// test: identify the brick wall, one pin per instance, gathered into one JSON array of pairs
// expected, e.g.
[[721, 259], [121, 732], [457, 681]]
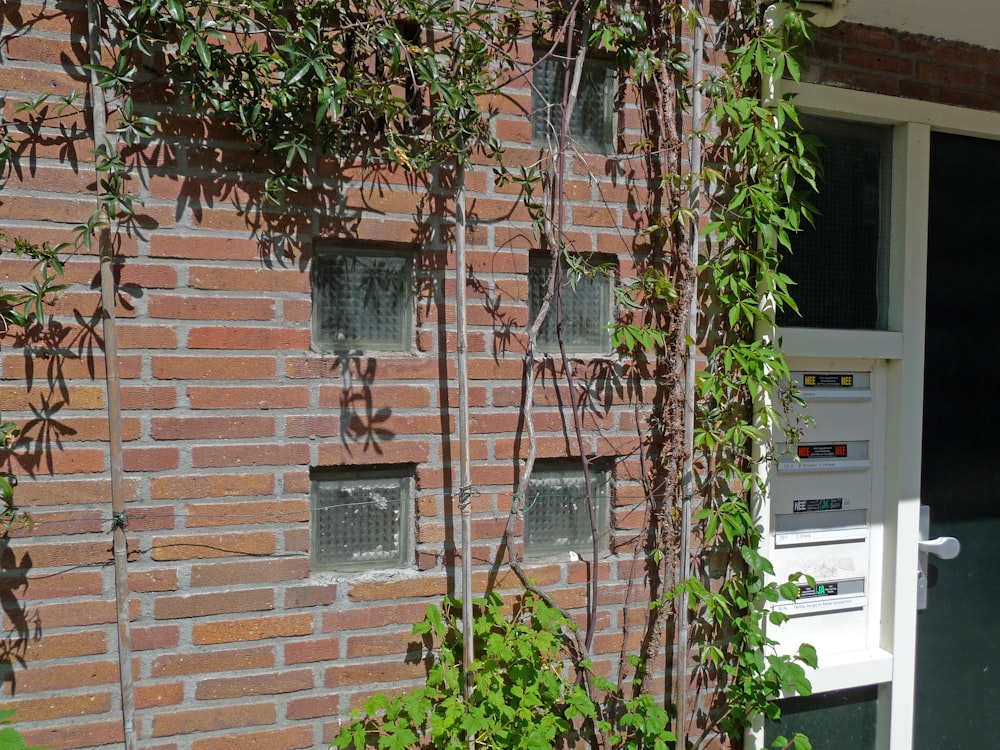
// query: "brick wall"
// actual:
[[906, 65], [227, 407]]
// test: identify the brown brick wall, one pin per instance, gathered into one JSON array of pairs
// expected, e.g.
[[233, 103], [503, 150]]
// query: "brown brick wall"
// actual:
[[226, 408], [907, 65]]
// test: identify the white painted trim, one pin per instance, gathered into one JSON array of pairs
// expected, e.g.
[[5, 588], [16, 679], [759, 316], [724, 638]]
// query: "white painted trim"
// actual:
[[821, 342], [914, 121], [879, 108]]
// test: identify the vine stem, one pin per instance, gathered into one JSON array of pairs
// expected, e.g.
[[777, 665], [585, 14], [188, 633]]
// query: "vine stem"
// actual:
[[113, 384], [689, 482]]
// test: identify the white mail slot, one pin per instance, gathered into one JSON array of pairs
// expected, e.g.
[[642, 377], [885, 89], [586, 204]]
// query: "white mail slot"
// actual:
[[841, 455], [825, 596], [815, 527]]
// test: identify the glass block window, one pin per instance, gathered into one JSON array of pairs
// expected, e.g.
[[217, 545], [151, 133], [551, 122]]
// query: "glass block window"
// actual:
[[362, 299], [586, 309], [592, 122], [840, 266], [361, 519], [556, 518]]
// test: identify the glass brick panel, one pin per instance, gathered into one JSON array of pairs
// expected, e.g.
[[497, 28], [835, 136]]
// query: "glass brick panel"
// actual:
[[362, 301], [359, 523], [840, 265], [592, 122], [586, 310], [556, 517]]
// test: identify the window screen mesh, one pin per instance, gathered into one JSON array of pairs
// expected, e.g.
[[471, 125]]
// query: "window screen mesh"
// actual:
[[591, 124], [556, 516], [359, 523], [586, 310], [839, 266], [362, 300]]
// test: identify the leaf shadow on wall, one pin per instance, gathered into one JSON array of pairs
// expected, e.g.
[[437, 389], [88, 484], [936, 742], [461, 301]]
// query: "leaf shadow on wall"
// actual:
[[25, 626]]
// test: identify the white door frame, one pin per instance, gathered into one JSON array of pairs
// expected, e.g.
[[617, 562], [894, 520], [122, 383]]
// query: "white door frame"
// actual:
[[892, 665]]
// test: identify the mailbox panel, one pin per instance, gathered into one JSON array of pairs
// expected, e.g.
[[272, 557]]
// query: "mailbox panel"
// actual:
[[824, 509]]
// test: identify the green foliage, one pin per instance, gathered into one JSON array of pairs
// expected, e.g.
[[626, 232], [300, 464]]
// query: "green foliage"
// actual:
[[372, 82], [528, 689], [10, 738], [767, 159]]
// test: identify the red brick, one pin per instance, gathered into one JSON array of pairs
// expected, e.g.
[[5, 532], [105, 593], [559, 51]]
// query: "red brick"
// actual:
[[272, 683], [68, 584], [200, 605], [66, 646], [399, 643], [77, 735], [36, 679], [252, 629], [210, 428], [275, 739], [305, 651], [368, 591], [257, 571], [950, 75], [375, 452], [213, 368], [213, 248], [170, 723], [360, 618], [312, 426], [375, 673], [22, 398], [317, 595], [248, 279], [213, 661], [313, 707], [156, 637], [68, 554], [222, 456], [49, 709], [248, 397], [150, 459], [160, 579], [147, 337], [211, 485], [148, 397], [211, 308], [253, 512], [65, 461], [376, 396], [195, 546], [60, 523], [254, 339], [163, 694], [878, 62]]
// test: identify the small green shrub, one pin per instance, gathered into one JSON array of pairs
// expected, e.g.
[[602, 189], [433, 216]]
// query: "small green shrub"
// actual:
[[529, 690]]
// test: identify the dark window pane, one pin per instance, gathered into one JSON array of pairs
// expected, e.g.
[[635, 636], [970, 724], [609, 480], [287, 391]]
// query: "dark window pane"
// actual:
[[840, 266]]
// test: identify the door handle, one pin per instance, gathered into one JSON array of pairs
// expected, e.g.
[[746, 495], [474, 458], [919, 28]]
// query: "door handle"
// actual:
[[945, 547]]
